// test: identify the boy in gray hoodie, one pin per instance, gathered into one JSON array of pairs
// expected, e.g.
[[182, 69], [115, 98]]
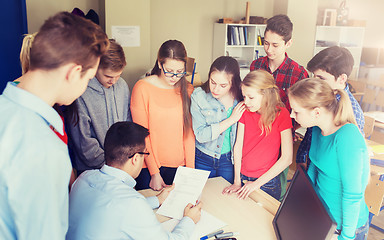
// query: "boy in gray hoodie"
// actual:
[[105, 102]]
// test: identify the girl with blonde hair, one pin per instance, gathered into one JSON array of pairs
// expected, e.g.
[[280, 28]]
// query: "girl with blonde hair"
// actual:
[[339, 167], [263, 131]]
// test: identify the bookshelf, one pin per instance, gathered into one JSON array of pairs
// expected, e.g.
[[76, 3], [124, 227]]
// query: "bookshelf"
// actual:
[[344, 36], [239, 41]]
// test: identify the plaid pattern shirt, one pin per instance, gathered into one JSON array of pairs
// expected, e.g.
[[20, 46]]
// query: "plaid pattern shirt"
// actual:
[[305, 145], [287, 74]]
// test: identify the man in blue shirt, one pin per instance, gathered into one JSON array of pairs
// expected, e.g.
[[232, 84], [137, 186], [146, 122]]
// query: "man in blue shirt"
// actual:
[[333, 65], [103, 203], [34, 163]]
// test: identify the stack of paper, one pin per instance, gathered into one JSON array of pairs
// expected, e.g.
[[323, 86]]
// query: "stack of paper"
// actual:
[[206, 225], [189, 184]]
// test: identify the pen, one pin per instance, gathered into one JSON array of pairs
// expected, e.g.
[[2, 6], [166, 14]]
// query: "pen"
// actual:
[[211, 235], [227, 234]]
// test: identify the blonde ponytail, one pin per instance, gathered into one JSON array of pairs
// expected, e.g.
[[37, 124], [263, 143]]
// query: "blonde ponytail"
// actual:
[[313, 92]]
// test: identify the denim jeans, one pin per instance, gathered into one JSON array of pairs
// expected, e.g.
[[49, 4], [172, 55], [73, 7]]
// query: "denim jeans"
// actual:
[[219, 167], [142, 181], [273, 187], [360, 234]]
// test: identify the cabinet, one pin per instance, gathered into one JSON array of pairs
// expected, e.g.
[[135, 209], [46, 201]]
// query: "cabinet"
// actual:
[[245, 49], [349, 37]]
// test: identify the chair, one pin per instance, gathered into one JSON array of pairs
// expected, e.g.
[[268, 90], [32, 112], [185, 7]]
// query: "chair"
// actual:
[[377, 137], [357, 89], [380, 101], [368, 126], [368, 98]]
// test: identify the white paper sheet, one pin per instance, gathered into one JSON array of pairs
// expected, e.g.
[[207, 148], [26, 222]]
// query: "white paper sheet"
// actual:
[[207, 224], [189, 184], [126, 36]]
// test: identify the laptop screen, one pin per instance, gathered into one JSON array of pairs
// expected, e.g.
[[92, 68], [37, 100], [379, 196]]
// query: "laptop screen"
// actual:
[[302, 215]]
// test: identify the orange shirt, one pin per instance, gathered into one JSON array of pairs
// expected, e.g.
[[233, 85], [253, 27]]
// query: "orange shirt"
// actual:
[[160, 110]]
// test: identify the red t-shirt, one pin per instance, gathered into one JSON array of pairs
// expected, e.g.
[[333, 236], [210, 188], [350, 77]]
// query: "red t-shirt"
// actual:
[[260, 152]]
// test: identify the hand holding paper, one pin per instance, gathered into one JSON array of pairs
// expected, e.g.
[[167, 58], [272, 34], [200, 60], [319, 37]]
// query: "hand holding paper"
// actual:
[[189, 184]]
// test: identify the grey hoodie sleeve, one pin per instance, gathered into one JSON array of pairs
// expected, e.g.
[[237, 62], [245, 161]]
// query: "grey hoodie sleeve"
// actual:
[[87, 147], [129, 118]]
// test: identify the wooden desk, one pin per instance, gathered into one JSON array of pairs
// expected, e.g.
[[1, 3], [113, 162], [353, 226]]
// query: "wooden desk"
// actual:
[[374, 192], [378, 116], [376, 170], [248, 217]]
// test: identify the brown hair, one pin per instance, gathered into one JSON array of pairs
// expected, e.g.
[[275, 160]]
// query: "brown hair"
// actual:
[[313, 92], [334, 60], [25, 51], [174, 49], [66, 38], [282, 25], [114, 58], [271, 103], [230, 66]]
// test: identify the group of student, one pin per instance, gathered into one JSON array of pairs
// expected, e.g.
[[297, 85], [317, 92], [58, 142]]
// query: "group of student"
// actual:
[[241, 130]]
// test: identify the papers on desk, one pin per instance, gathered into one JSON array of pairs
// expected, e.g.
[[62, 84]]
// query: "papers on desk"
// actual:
[[206, 225], [189, 184]]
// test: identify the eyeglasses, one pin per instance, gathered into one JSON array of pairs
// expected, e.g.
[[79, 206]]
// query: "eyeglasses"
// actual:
[[142, 153], [170, 75]]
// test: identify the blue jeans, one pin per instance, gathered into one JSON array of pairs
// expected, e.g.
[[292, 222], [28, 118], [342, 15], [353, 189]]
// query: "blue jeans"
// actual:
[[273, 187], [142, 181], [219, 167], [361, 233]]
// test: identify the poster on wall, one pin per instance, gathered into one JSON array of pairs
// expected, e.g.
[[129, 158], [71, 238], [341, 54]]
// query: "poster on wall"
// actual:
[[127, 36]]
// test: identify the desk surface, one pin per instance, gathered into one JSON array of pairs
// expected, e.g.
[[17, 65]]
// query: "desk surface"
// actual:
[[248, 217], [376, 170]]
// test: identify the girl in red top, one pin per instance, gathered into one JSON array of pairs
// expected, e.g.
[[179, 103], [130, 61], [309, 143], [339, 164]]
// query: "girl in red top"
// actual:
[[263, 131]]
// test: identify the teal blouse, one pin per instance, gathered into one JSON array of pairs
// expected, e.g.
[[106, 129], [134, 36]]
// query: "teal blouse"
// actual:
[[340, 171], [227, 137]]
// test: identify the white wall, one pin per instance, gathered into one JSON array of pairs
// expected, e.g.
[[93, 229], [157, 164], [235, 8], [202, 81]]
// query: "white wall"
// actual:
[[39, 10], [192, 23], [369, 10]]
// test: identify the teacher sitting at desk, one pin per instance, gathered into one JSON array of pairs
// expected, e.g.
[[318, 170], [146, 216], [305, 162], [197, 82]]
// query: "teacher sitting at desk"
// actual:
[[103, 203], [339, 167], [161, 102]]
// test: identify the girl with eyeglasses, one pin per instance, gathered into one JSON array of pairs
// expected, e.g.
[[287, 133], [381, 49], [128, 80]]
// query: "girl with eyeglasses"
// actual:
[[263, 131], [339, 167], [161, 103], [215, 110]]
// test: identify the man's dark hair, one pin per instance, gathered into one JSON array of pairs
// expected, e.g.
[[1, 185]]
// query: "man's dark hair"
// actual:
[[281, 25], [333, 60], [123, 139]]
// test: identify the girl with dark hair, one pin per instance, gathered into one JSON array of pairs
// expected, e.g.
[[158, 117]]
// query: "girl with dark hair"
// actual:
[[161, 102], [215, 110]]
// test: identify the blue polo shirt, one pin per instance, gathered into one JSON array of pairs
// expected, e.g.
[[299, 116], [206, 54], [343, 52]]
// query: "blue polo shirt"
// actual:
[[34, 168]]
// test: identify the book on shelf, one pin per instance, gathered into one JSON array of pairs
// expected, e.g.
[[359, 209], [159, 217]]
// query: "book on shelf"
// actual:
[[237, 35], [246, 35], [241, 35]]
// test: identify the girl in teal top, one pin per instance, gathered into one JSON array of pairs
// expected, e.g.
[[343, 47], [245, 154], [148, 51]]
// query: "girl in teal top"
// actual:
[[339, 167]]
